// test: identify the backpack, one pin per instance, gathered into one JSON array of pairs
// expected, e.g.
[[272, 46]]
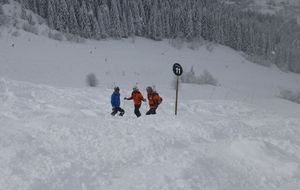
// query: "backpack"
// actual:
[[159, 98]]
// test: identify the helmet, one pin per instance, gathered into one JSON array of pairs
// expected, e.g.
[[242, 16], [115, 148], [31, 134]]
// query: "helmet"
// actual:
[[117, 89], [149, 89], [135, 88]]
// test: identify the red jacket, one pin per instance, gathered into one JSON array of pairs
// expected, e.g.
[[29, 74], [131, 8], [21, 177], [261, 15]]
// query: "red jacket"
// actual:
[[137, 97], [154, 99]]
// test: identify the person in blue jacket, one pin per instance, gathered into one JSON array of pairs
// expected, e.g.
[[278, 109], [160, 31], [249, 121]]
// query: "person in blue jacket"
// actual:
[[115, 102]]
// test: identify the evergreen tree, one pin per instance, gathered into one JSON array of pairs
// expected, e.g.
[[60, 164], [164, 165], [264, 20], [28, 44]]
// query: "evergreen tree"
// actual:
[[115, 22], [73, 24], [102, 28], [124, 25], [85, 24], [124, 19], [106, 18], [188, 26], [63, 16], [140, 19], [51, 15], [96, 28], [154, 30], [131, 28], [166, 20], [42, 8]]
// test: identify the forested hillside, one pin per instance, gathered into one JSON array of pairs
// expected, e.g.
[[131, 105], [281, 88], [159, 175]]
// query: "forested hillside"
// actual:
[[265, 38]]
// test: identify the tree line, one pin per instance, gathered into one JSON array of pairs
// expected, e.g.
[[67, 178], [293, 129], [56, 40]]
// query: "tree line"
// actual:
[[267, 38]]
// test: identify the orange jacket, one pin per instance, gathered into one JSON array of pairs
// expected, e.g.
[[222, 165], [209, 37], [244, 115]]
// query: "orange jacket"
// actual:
[[154, 99], [137, 97]]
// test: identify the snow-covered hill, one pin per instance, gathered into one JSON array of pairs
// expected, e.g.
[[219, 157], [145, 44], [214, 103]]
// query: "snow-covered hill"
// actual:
[[56, 133], [234, 136], [144, 62], [65, 139]]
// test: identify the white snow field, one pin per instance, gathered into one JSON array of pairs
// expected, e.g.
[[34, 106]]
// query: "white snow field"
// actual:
[[58, 134], [65, 139]]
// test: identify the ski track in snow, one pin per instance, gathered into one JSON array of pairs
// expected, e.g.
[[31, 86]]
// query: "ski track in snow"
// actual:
[[65, 139]]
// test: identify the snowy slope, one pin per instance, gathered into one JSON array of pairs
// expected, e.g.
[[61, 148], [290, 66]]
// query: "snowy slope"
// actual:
[[58, 134], [40, 60], [63, 138]]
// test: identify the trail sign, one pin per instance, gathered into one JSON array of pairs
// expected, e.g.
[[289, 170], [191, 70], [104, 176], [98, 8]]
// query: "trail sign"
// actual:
[[178, 70]]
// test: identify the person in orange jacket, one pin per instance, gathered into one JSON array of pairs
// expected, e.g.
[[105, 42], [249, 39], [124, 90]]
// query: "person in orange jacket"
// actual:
[[154, 100], [137, 98]]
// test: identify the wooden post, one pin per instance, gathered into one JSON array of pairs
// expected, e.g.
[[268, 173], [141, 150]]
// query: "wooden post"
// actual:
[[177, 88], [178, 70]]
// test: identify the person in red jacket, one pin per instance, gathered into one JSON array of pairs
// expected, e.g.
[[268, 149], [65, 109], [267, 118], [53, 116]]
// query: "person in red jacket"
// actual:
[[154, 100], [137, 98]]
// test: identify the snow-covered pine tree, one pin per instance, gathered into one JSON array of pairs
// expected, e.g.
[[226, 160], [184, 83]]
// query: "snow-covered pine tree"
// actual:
[[42, 8], [124, 21], [104, 9], [155, 23], [115, 23], [166, 19], [85, 24], [51, 14], [188, 21], [141, 19], [72, 21], [131, 28], [95, 27], [102, 28], [63, 16], [204, 24], [137, 21]]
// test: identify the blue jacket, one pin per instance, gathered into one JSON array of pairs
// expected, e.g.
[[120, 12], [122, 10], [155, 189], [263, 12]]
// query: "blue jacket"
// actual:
[[115, 99]]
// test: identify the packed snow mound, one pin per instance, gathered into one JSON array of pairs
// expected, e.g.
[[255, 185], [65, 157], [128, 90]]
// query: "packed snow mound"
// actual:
[[66, 139]]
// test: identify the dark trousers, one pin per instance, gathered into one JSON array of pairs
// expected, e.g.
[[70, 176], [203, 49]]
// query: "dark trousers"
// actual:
[[116, 110], [137, 110], [152, 111]]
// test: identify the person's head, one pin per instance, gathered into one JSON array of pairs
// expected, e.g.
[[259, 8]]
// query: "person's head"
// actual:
[[149, 89], [117, 89], [135, 88]]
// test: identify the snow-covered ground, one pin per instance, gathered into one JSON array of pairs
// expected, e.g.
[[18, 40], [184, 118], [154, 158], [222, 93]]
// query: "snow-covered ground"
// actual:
[[57, 134], [125, 63], [65, 139]]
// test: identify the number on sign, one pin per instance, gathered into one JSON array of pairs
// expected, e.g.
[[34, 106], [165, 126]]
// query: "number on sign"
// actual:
[[177, 69]]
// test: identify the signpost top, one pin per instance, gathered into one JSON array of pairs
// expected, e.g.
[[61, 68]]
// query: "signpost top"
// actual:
[[177, 69]]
